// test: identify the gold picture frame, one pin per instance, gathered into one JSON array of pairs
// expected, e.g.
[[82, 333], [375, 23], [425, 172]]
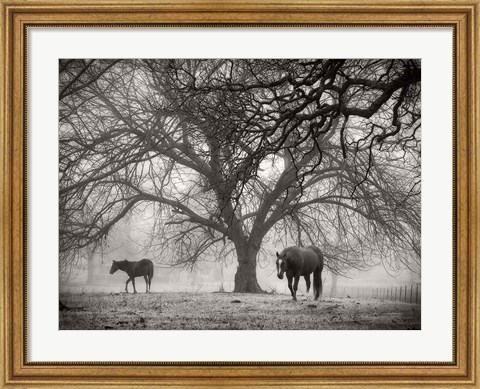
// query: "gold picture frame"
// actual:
[[18, 15]]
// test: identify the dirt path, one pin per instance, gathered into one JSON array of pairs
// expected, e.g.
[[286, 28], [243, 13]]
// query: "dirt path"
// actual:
[[229, 311]]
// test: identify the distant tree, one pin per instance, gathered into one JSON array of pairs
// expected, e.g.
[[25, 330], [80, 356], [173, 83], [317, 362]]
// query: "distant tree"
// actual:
[[228, 154]]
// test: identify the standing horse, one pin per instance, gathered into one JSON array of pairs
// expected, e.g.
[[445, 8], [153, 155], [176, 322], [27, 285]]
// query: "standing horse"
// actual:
[[299, 261], [144, 268]]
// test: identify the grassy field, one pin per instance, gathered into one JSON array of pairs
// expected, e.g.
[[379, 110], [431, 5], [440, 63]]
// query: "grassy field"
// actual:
[[229, 311]]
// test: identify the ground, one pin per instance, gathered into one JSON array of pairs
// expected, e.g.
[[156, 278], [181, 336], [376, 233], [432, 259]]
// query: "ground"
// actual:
[[231, 311]]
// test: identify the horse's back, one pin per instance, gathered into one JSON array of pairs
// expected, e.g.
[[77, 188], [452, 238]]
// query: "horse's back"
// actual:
[[144, 267], [312, 258], [303, 260]]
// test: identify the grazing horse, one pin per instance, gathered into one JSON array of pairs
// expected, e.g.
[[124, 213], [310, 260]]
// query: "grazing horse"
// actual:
[[144, 268], [301, 261]]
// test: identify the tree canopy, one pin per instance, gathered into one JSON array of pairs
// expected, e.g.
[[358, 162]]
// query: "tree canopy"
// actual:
[[232, 154]]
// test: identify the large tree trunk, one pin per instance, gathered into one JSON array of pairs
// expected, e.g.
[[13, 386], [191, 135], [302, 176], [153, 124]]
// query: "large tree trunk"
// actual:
[[246, 275]]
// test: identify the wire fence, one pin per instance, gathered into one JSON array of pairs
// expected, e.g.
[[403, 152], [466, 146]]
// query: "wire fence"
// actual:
[[407, 293], [403, 293]]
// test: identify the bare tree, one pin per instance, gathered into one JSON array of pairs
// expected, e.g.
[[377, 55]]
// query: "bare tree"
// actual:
[[233, 153]]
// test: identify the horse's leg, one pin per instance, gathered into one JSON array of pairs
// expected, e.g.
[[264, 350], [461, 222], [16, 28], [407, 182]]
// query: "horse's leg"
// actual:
[[133, 283], [295, 286], [146, 283], [290, 278], [307, 280], [126, 285]]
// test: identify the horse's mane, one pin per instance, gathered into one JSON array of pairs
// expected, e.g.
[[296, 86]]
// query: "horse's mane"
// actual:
[[288, 250], [123, 263]]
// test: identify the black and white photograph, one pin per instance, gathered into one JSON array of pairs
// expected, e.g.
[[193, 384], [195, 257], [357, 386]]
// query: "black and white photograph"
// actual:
[[239, 194]]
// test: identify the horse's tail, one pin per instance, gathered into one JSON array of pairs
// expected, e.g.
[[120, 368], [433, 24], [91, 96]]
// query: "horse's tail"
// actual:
[[317, 274], [150, 271], [317, 283]]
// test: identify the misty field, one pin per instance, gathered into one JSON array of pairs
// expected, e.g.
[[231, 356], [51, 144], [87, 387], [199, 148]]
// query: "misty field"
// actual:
[[230, 311]]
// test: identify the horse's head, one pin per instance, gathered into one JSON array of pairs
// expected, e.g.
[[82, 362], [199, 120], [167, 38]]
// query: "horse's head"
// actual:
[[114, 267], [281, 265]]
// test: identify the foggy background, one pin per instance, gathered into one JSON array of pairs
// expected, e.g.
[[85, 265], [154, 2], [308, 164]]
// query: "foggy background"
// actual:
[[91, 275]]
